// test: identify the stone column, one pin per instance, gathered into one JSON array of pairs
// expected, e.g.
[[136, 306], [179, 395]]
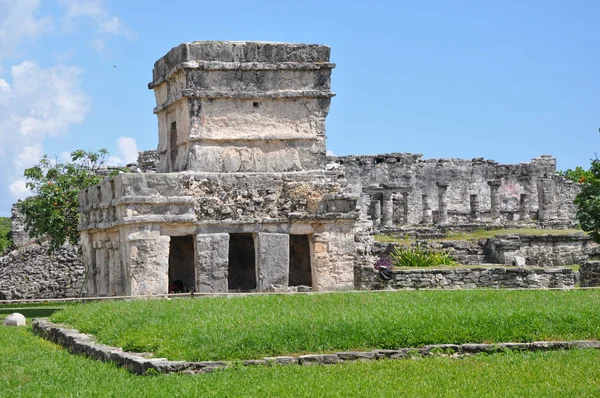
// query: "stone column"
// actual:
[[427, 214], [103, 267], [405, 208], [272, 260], [212, 261], [546, 194], [442, 206], [524, 208], [89, 260], [376, 211], [115, 284], [147, 256], [495, 201], [387, 213], [475, 210]]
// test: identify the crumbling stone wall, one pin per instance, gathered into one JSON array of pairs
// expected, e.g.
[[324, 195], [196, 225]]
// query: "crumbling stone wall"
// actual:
[[468, 278], [546, 250], [31, 273], [589, 274], [19, 236], [460, 191]]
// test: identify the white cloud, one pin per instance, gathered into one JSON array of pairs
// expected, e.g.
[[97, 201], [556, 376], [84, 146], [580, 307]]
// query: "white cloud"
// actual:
[[19, 189], [330, 153], [127, 149], [128, 152], [39, 102], [29, 156], [19, 23], [95, 13], [83, 8]]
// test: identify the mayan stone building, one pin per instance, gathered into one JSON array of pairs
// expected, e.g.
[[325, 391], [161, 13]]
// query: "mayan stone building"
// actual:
[[241, 199]]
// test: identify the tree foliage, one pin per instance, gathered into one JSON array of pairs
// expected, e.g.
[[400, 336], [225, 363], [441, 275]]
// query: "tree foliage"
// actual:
[[5, 234], [52, 211], [576, 175], [588, 201]]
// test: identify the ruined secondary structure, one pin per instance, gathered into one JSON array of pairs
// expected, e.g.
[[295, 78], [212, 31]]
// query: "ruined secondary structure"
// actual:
[[404, 189], [241, 199]]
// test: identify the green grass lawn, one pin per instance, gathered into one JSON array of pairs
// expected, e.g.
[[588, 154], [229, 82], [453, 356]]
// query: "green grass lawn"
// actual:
[[483, 234], [32, 367], [251, 327]]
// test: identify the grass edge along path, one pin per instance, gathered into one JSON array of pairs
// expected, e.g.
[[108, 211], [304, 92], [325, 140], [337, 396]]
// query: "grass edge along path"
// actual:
[[253, 327], [30, 366]]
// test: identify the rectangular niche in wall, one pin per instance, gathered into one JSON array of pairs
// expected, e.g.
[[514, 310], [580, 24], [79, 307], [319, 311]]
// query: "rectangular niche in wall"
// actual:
[[300, 261], [182, 260], [241, 272]]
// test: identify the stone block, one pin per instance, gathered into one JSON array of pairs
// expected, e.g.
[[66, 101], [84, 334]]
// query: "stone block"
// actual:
[[212, 256], [15, 319], [272, 260]]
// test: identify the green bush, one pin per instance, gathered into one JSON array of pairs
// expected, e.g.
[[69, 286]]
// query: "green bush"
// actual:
[[5, 239], [418, 257]]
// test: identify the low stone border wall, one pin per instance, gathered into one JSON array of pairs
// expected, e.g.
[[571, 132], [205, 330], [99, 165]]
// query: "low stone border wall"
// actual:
[[468, 278], [142, 363]]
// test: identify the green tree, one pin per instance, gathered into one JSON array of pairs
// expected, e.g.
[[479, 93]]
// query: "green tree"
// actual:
[[5, 232], [577, 174], [52, 211], [588, 201]]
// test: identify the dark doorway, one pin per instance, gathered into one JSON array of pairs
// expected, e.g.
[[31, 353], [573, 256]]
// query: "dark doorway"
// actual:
[[241, 275], [182, 270], [300, 271]]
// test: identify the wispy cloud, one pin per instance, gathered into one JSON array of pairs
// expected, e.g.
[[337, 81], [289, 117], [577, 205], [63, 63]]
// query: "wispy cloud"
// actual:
[[128, 152], [95, 13], [19, 23], [39, 102]]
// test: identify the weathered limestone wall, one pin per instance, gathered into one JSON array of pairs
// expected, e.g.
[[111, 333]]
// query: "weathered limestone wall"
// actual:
[[463, 191], [19, 237], [542, 250], [242, 106], [533, 250], [30, 273], [589, 274], [143, 210], [468, 278]]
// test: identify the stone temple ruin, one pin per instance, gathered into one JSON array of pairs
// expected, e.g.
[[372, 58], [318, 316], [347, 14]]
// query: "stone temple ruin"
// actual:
[[241, 199], [240, 195]]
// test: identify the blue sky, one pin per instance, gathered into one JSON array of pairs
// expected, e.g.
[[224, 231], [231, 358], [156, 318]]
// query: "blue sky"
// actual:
[[503, 80]]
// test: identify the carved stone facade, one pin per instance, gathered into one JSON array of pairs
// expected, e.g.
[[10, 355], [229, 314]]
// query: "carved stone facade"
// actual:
[[241, 199]]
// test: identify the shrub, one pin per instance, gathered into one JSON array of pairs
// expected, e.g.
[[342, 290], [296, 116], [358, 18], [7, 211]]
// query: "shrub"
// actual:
[[53, 210], [419, 257]]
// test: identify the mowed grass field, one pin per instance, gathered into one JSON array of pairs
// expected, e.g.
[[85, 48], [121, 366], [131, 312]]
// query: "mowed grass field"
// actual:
[[251, 327], [32, 367]]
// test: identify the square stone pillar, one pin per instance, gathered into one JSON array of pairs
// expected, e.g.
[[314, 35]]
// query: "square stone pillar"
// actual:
[[427, 213], [524, 208], [405, 207], [272, 260], [147, 256], [103, 267], [115, 277], [442, 205], [546, 199], [475, 213], [495, 201], [387, 211], [212, 260]]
